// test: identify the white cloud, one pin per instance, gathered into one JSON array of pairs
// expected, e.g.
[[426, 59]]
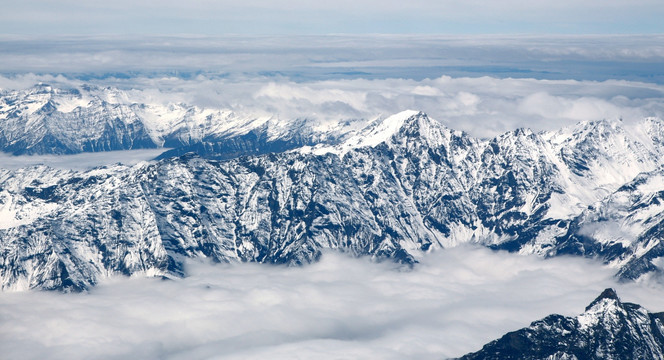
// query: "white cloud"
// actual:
[[84, 161], [452, 303], [573, 108], [409, 56], [483, 106]]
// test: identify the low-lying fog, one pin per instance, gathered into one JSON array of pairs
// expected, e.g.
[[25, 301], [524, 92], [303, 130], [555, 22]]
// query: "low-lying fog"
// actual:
[[451, 303]]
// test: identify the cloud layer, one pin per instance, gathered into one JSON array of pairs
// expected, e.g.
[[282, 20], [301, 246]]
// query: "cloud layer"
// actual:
[[450, 304], [81, 162], [302, 58], [483, 106]]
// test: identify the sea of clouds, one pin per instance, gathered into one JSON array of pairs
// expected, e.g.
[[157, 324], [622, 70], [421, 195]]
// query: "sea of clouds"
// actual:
[[451, 303]]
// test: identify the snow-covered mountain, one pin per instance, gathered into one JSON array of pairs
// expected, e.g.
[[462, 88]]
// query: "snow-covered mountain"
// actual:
[[626, 228], [46, 120], [282, 193], [49, 120], [608, 329]]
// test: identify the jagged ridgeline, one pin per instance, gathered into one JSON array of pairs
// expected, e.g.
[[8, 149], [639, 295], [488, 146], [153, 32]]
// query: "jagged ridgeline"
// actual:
[[608, 330], [393, 189], [49, 120]]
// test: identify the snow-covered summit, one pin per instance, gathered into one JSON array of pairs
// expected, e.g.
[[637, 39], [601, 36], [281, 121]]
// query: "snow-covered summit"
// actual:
[[608, 329], [389, 131]]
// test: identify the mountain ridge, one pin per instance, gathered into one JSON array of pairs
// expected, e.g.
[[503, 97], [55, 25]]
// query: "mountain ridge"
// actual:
[[414, 187]]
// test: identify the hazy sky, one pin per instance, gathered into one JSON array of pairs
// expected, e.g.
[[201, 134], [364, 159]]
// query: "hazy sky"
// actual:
[[213, 17]]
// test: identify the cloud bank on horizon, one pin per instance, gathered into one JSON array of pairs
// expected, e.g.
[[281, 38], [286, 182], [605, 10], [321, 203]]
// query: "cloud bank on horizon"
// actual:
[[306, 58], [483, 107]]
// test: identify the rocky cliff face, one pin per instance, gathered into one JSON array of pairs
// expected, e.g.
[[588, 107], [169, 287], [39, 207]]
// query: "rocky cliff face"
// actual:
[[608, 329]]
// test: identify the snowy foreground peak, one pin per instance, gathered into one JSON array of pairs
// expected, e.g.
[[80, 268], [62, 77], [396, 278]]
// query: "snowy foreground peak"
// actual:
[[608, 329]]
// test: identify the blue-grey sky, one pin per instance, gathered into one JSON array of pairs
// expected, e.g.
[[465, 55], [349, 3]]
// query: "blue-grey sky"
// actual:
[[318, 57], [221, 17]]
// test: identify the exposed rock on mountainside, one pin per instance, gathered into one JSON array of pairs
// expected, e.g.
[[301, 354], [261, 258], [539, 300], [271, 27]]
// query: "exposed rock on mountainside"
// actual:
[[608, 329]]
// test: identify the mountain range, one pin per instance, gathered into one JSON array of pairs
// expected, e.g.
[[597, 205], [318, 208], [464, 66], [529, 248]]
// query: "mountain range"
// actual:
[[237, 188]]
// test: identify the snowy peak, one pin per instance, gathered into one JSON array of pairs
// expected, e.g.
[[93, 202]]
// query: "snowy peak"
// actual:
[[42, 120], [397, 130], [606, 299], [605, 311], [420, 128], [381, 131], [607, 294], [46, 120], [517, 145], [625, 228], [610, 151], [608, 329]]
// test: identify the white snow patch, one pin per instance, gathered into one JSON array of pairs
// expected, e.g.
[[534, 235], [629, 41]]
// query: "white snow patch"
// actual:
[[380, 133], [12, 215], [68, 104], [377, 132]]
